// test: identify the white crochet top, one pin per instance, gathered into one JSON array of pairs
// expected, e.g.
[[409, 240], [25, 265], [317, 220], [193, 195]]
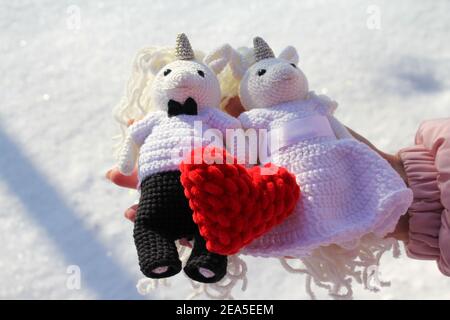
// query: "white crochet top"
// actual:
[[348, 190], [164, 141]]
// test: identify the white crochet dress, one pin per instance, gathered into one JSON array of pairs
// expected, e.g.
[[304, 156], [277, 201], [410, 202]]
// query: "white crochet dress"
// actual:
[[164, 141], [348, 190]]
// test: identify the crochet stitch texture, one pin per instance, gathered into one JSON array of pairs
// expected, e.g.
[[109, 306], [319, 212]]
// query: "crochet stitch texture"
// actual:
[[262, 49], [164, 216], [183, 50], [166, 140], [233, 205], [348, 190]]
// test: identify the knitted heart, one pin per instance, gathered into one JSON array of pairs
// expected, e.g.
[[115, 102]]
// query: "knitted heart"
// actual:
[[233, 205]]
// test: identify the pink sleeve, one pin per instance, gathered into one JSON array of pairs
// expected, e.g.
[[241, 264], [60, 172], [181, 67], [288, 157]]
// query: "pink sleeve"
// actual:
[[427, 166]]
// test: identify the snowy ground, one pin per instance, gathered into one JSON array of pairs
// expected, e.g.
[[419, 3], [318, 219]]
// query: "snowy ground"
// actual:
[[59, 84]]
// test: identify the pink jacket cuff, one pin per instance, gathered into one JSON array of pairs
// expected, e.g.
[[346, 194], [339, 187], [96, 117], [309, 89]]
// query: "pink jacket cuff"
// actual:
[[427, 166]]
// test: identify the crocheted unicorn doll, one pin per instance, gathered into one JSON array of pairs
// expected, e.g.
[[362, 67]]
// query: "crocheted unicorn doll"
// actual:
[[351, 197], [183, 92], [348, 190]]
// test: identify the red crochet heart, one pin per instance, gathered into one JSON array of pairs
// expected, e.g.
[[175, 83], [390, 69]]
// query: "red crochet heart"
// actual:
[[233, 205]]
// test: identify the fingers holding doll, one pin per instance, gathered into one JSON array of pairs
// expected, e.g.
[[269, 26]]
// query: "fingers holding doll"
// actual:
[[118, 178]]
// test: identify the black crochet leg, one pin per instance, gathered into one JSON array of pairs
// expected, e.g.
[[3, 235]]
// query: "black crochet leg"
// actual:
[[157, 254], [204, 266], [163, 216]]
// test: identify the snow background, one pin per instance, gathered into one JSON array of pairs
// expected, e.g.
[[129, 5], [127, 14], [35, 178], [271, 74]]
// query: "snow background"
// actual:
[[59, 84]]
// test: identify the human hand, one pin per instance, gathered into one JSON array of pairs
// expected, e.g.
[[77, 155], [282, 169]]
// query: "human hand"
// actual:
[[116, 177]]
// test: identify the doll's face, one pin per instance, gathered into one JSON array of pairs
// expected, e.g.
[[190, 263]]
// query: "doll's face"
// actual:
[[270, 82], [182, 79]]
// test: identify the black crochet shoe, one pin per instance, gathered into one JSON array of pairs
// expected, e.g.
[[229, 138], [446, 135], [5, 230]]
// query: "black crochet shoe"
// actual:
[[206, 268], [161, 268], [157, 255]]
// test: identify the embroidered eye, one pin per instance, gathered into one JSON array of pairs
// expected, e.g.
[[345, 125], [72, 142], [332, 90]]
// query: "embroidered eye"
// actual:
[[167, 71], [201, 73], [293, 64], [261, 72]]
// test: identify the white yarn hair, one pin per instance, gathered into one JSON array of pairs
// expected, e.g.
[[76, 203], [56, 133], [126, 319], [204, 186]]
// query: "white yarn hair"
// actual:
[[334, 268]]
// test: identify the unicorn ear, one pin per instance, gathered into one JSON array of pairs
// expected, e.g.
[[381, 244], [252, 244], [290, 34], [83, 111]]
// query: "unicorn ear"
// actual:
[[237, 64], [290, 54], [219, 58]]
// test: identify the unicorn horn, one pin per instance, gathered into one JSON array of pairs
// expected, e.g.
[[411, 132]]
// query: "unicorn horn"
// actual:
[[183, 49], [262, 49]]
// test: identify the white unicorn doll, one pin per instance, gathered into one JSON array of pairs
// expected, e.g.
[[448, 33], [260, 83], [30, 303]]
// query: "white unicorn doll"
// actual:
[[349, 193], [183, 92]]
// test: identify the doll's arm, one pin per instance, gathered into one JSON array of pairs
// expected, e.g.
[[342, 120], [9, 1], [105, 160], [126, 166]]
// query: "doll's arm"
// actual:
[[222, 121], [140, 130], [325, 106], [256, 120], [127, 156], [136, 135], [339, 129], [259, 122]]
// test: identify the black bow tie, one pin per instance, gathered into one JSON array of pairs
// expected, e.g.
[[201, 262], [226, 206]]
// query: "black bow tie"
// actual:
[[189, 107]]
